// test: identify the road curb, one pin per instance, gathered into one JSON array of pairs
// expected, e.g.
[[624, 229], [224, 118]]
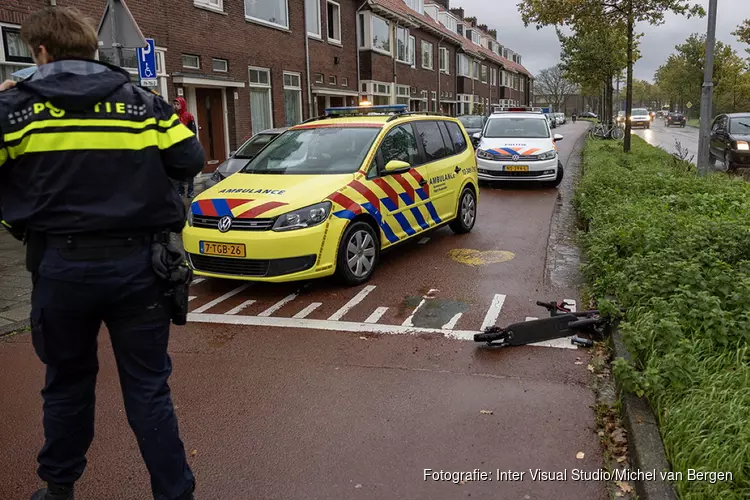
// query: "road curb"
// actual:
[[645, 446], [13, 327]]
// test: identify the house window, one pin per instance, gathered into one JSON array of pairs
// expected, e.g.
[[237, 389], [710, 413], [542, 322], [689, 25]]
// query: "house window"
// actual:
[[273, 12], [412, 51], [191, 62], [344, 81], [381, 34], [493, 77], [417, 5], [319, 78], [427, 62], [445, 65], [292, 98], [402, 94], [331, 80], [261, 116], [161, 72], [475, 37], [217, 5], [464, 66], [484, 73], [334, 21], [312, 13], [448, 21], [402, 45], [476, 71], [219, 65], [433, 101], [14, 55]]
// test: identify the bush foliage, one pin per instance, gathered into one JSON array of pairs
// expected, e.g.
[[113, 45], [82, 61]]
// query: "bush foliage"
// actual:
[[674, 249]]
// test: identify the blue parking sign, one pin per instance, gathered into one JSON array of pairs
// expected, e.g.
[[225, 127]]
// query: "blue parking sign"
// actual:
[[147, 64]]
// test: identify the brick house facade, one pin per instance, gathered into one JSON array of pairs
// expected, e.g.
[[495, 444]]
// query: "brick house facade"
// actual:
[[258, 75]]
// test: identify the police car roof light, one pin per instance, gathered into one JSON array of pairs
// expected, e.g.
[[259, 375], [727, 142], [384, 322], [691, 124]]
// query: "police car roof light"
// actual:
[[516, 109], [367, 110]]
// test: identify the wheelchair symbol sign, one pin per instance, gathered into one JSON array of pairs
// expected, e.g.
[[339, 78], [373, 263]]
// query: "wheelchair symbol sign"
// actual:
[[147, 63]]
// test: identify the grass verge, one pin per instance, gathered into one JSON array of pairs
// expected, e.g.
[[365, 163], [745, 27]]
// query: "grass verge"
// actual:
[[674, 249], [694, 122]]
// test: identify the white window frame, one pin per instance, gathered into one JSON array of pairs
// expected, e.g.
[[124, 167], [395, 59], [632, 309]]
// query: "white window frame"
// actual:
[[330, 39], [297, 88], [226, 65], [445, 61], [14, 27], [415, 5], [449, 22], [322, 79], [215, 5], [332, 80], [161, 70], [182, 60], [368, 19], [463, 57], [403, 92], [344, 81], [483, 73], [262, 86], [312, 34], [475, 38], [493, 77], [475, 69], [263, 21], [399, 32], [431, 59], [413, 51]]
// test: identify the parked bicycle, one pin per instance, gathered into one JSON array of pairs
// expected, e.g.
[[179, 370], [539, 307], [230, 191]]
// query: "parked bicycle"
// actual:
[[561, 323], [600, 131]]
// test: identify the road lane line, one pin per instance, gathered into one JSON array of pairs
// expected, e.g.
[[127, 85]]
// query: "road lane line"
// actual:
[[322, 324], [278, 305], [409, 321], [192, 297], [240, 307], [350, 305], [493, 312], [376, 315], [208, 305], [452, 323], [307, 310], [563, 343]]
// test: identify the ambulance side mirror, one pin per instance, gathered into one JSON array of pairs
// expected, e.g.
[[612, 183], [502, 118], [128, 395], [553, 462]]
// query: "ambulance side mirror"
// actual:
[[396, 167]]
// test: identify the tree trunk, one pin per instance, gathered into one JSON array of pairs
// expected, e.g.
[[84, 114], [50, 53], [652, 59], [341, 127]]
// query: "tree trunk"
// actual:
[[610, 100], [629, 98]]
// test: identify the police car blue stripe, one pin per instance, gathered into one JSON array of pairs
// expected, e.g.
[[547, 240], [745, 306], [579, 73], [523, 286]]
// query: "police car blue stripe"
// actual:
[[510, 151], [196, 208], [387, 231], [222, 207]]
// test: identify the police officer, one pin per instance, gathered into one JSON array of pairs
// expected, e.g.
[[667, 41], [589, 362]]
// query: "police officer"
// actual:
[[86, 159]]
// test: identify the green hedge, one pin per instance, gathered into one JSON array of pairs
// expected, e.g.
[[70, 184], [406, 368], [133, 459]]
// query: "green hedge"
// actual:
[[674, 249]]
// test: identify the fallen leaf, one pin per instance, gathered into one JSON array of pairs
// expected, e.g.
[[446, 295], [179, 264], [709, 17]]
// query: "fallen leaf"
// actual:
[[486, 412], [578, 362], [358, 486], [590, 368], [601, 433], [619, 494], [618, 437], [462, 482], [580, 455], [621, 459], [363, 338], [625, 487], [194, 453]]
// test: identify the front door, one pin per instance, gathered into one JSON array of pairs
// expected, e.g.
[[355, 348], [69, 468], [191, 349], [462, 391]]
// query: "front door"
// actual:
[[211, 126], [443, 171]]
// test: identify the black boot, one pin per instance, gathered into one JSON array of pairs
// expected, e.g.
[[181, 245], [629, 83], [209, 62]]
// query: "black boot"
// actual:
[[55, 492]]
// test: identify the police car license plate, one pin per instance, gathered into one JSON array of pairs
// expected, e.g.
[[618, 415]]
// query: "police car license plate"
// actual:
[[223, 249], [517, 168]]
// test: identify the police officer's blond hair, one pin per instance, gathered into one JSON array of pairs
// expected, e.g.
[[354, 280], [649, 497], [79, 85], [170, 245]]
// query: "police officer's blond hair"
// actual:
[[64, 32]]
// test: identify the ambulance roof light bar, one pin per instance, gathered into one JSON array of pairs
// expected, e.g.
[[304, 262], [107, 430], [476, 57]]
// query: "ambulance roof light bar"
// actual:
[[367, 109]]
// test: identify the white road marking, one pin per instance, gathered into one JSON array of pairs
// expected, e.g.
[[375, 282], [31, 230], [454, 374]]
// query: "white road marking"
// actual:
[[423, 240], [350, 305], [208, 305], [197, 281], [376, 315], [531, 318], [192, 297], [278, 305], [493, 312], [562, 343], [409, 321], [452, 323], [240, 307], [322, 324], [307, 310]]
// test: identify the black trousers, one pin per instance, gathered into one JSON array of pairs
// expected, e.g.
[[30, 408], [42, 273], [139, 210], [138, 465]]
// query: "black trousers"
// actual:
[[74, 292]]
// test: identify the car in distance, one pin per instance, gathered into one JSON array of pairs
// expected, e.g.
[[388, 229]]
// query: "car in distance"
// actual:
[[329, 194], [472, 123], [551, 120], [677, 119], [243, 155], [620, 118], [560, 118], [730, 140], [640, 117], [517, 144]]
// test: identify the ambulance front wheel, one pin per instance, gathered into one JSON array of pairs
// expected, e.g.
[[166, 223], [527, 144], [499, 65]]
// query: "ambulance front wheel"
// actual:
[[466, 215], [358, 255]]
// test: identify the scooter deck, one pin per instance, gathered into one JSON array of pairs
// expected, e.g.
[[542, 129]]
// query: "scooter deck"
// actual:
[[539, 330]]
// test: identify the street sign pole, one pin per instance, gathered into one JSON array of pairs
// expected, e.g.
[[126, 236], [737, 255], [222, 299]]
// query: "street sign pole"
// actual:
[[707, 93], [113, 22]]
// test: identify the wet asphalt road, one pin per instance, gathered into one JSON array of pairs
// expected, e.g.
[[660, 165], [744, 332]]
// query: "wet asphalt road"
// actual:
[[289, 391], [668, 138]]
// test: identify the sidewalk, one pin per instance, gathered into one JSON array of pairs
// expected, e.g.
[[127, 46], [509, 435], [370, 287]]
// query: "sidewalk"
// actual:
[[15, 285]]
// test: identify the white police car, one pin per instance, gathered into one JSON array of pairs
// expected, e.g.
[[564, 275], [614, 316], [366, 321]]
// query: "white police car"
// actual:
[[517, 144]]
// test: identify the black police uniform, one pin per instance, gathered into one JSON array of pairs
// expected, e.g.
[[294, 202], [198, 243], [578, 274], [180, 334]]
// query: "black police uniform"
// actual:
[[86, 159]]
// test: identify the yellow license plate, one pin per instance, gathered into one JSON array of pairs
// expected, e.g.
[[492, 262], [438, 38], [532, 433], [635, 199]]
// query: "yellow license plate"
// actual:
[[517, 168], [223, 249]]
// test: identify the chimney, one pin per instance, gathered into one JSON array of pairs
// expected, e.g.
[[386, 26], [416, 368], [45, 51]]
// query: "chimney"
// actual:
[[472, 21], [483, 27], [444, 3], [459, 13]]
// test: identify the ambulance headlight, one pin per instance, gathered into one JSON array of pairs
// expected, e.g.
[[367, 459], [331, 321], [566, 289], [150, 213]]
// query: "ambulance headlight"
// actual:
[[190, 218], [304, 217]]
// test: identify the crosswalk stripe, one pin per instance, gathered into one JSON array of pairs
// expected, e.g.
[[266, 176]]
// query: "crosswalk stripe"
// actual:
[[240, 307], [208, 305], [452, 323], [493, 312], [410, 320], [278, 305], [353, 302], [307, 310], [376, 315]]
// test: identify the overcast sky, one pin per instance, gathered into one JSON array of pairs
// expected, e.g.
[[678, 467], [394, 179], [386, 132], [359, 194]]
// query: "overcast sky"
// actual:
[[541, 49]]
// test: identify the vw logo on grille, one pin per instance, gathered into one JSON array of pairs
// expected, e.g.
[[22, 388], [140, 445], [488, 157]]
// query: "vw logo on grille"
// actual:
[[515, 157], [225, 224]]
